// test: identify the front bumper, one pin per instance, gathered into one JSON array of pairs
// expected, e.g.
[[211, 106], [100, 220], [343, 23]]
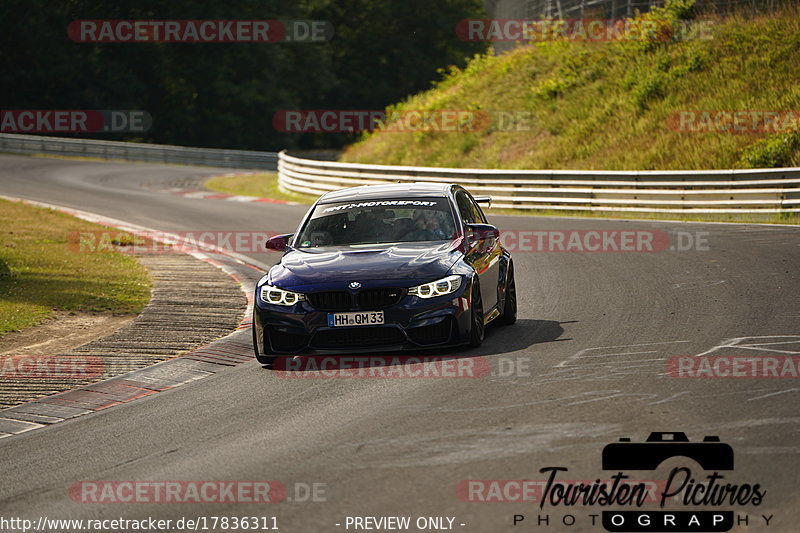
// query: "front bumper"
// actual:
[[412, 323]]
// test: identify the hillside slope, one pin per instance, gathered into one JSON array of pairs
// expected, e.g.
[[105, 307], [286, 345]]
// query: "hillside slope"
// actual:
[[616, 105]]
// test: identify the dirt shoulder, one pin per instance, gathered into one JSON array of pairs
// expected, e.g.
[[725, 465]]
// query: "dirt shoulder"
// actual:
[[65, 331]]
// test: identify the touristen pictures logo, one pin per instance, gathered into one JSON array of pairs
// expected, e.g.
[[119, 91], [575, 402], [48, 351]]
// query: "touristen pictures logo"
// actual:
[[685, 500]]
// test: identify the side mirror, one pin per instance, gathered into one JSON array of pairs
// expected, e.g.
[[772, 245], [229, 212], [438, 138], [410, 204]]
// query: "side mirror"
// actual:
[[279, 243], [484, 234], [483, 200]]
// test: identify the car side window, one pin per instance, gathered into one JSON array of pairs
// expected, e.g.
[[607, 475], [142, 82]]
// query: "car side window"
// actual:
[[478, 213], [465, 208]]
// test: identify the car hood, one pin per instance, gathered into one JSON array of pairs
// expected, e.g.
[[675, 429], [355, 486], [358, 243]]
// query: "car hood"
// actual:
[[328, 268]]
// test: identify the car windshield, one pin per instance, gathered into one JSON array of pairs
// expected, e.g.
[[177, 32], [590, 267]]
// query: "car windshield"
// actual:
[[378, 221]]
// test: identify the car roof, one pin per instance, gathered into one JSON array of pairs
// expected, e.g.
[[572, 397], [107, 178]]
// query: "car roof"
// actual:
[[389, 190]]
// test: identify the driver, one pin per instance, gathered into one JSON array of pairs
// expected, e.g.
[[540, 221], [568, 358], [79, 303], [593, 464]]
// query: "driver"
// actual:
[[369, 227], [427, 227]]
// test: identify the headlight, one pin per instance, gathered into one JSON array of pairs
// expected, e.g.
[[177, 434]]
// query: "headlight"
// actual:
[[275, 296], [436, 288]]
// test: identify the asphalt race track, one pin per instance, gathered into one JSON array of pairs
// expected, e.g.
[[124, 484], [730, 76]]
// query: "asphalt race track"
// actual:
[[584, 365]]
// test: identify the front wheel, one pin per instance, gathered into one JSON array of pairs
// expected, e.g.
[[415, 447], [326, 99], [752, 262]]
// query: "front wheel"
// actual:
[[509, 315], [477, 330]]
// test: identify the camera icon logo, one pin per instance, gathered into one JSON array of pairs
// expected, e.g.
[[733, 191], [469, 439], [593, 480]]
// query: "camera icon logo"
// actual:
[[711, 454]]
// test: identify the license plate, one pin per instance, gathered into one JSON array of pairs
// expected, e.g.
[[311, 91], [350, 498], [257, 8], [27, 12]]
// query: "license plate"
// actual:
[[368, 318]]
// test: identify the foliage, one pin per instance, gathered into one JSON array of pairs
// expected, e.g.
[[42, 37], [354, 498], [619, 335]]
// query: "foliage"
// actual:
[[781, 150], [225, 94], [610, 105]]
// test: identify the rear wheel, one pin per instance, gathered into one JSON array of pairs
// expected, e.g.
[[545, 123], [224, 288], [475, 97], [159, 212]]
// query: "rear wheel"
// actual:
[[477, 328], [509, 315]]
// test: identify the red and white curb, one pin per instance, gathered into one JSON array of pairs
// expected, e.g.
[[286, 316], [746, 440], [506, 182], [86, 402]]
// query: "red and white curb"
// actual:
[[202, 362]]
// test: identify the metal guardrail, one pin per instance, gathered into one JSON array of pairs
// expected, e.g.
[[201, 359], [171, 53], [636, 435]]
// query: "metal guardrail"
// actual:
[[161, 153], [697, 191]]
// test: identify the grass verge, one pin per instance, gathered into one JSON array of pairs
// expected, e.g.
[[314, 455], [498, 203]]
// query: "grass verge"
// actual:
[[613, 105], [39, 274], [263, 185]]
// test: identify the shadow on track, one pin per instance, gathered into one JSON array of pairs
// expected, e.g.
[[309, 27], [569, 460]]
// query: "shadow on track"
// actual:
[[499, 340]]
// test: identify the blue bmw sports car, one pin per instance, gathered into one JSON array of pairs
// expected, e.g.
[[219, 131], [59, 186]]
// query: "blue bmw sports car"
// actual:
[[385, 267]]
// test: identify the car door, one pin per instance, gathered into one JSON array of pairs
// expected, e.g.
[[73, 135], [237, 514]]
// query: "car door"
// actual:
[[484, 259]]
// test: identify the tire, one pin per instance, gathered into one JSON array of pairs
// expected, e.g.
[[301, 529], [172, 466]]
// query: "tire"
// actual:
[[264, 359], [509, 315], [477, 328]]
